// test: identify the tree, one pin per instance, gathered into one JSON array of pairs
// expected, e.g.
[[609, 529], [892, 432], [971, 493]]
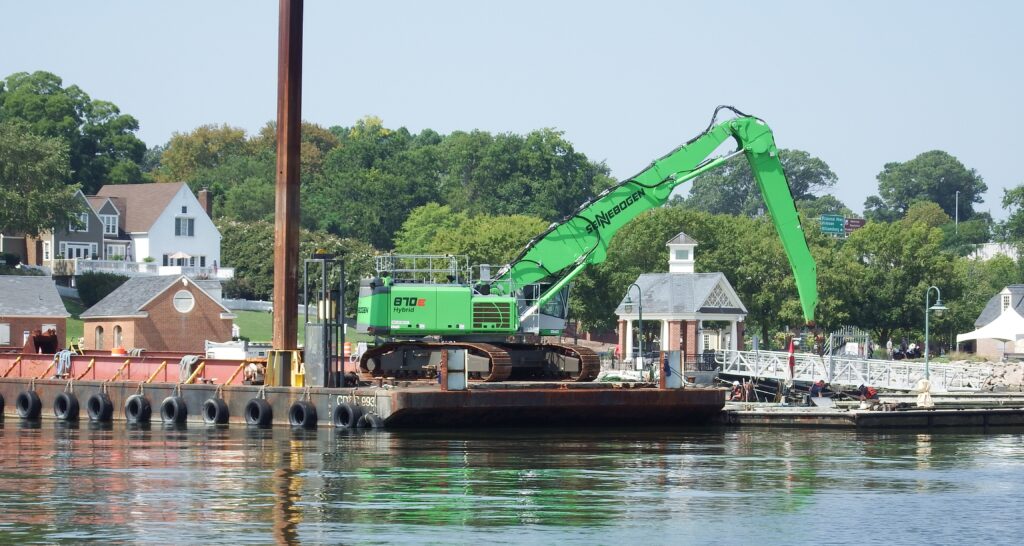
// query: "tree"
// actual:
[[813, 207], [932, 176], [34, 195], [732, 189], [416, 236], [1013, 200], [892, 264], [928, 212], [249, 248], [102, 146], [94, 286], [205, 147]]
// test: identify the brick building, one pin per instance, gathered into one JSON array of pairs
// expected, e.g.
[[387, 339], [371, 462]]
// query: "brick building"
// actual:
[[171, 313], [29, 305], [682, 309]]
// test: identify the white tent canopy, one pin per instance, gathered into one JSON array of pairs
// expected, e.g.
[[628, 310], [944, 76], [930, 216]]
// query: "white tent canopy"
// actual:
[[1008, 326]]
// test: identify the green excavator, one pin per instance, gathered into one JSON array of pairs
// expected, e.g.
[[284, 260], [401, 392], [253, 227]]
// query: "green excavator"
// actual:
[[417, 306]]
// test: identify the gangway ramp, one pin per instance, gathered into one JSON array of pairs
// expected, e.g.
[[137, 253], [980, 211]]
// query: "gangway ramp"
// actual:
[[851, 371]]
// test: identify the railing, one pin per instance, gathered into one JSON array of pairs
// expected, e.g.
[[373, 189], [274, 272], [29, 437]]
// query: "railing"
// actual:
[[849, 371], [76, 266]]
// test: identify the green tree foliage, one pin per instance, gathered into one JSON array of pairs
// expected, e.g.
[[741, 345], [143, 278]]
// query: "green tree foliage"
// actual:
[[1013, 200], [102, 146], [813, 207], [890, 265], [33, 194], [928, 212], [204, 148], [932, 176], [485, 239], [732, 188], [249, 248], [94, 286]]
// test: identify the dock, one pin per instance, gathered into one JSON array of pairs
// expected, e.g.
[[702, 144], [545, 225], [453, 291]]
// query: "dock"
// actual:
[[111, 380], [896, 411]]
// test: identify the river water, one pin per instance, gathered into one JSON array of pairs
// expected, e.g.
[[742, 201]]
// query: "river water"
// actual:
[[544, 486]]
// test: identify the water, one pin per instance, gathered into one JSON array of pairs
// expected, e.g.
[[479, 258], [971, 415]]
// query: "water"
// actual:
[[595, 486]]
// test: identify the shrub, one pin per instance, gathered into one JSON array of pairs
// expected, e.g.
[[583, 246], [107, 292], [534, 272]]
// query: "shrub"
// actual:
[[11, 260], [92, 287]]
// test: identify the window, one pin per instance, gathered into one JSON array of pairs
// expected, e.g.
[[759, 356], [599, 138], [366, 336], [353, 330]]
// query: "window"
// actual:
[[202, 261], [1006, 302], [183, 301], [99, 338], [184, 209], [682, 254], [47, 249], [706, 341], [5, 333], [185, 227], [83, 218], [117, 337], [109, 224], [47, 327]]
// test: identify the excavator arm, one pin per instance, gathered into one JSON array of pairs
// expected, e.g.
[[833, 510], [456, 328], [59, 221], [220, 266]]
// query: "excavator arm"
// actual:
[[566, 248]]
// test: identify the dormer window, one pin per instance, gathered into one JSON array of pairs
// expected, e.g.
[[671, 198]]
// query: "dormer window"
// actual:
[[109, 224], [184, 209], [1006, 302]]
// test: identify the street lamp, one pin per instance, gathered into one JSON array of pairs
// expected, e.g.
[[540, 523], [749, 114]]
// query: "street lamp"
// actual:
[[938, 308], [640, 315]]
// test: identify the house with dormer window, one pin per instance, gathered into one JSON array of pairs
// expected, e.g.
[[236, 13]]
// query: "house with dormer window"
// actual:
[[81, 239]]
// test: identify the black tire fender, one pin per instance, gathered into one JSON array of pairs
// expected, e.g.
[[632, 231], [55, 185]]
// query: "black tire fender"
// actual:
[[302, 414], [215, 411], [259, 413], [66, 407], [370, 420], [137, 409], [346, 416], [28, 405], [99, 407], [173, 410]]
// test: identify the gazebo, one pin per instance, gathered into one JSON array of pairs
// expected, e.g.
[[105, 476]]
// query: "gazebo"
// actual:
[[682, 302], [1000, 326]]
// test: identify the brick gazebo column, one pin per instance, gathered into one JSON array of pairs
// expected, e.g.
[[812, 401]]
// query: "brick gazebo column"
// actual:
[[675, 333], [623, 332], [691, 340]]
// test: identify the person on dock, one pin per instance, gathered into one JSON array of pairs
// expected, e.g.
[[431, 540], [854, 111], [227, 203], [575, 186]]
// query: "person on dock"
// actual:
[[867, 393], [748, 391], [737, 392], [817, 388]]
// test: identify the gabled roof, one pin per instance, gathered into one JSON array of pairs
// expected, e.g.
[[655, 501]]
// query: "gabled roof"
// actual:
[[143, 203], [994, 307], [682, 293], [131, 297], [682, 239], [30, 296]]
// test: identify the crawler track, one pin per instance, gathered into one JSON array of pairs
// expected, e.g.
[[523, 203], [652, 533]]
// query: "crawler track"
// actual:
[[500, 362], [590, 363]]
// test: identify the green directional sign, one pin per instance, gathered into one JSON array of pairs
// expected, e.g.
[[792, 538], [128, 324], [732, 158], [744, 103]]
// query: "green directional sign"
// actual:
[[833, 224]]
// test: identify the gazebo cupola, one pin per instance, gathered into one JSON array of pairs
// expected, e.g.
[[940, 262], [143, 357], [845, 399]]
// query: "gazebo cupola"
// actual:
[[681, 253]]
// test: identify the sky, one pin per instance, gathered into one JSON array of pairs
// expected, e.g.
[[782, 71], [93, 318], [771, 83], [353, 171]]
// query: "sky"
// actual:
[[858, 84]]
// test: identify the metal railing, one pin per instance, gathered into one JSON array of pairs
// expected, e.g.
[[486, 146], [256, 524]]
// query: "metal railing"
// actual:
[[77, 266], [848, 371]]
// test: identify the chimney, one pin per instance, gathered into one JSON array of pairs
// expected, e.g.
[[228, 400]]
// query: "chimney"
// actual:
[[204, 201]]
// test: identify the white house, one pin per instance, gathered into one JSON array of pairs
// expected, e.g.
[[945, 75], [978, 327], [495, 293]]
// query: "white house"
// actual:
[[164, 222]]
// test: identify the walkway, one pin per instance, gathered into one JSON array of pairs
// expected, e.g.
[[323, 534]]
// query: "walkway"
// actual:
[[850, 371]]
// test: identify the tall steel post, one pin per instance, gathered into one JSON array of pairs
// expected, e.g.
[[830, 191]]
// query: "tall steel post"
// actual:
[[286, 210]]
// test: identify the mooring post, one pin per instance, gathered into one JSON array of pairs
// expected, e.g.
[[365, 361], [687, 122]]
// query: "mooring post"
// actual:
[[286, 211]]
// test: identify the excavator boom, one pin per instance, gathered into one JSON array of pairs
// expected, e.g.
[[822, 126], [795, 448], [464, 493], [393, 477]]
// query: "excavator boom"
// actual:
[[582, 239]]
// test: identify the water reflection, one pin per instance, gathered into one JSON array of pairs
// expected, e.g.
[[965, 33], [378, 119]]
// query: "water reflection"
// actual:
[[204, 484]]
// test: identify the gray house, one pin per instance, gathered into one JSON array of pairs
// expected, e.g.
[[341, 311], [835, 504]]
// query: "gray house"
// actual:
[[83, 241]]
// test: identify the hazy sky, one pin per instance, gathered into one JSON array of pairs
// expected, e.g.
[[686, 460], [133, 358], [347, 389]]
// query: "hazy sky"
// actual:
[[858, 84]]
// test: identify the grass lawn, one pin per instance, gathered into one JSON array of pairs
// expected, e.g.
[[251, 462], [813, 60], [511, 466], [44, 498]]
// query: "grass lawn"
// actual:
[[259, 326], [74, 324]]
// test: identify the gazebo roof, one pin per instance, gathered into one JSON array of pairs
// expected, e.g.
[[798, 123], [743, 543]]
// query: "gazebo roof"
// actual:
[[686, 293], [682, 239]]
